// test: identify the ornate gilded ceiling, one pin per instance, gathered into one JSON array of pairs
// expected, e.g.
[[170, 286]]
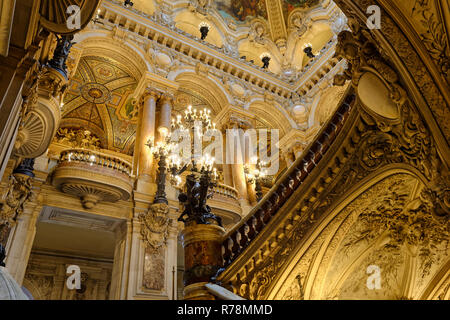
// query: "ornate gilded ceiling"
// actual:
[[241, 10], [98, 100], [244, 11]]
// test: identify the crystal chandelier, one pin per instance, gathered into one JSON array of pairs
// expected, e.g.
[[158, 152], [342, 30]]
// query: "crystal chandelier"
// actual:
[[202, 177]]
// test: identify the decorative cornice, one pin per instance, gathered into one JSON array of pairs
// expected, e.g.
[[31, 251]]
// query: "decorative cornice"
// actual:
[[153, 83], [162, 32]]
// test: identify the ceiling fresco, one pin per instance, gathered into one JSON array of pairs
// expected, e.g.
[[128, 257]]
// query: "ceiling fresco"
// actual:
[[291, 5], [241, 10], [98, 100]]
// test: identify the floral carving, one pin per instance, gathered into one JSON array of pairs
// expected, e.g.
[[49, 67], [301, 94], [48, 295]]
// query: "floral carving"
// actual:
[[17, 194], [434, 36]]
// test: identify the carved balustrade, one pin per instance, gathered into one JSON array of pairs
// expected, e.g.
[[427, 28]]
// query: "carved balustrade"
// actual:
[[93, 176], [223, 190], [225, 203], [97, 158]]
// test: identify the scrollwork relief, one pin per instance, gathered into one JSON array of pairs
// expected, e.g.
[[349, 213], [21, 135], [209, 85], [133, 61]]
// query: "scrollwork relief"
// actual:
[[19, 191], [155, 225]]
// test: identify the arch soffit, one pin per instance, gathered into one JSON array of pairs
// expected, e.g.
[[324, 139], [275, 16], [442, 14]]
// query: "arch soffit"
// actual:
[[191, 19], [334, 211], [124, 52], [206, 87], [214, 18], [273, 115]]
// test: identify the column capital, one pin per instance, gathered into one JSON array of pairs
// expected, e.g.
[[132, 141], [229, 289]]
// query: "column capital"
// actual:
[[153, 82], [151, 92], [235, 122], [148, 93], [232, 117], [166, 97]]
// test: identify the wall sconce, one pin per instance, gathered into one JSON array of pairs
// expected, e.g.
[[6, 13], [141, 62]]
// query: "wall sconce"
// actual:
[[265, 58], [204, 29], [128, 4], [308, 50]]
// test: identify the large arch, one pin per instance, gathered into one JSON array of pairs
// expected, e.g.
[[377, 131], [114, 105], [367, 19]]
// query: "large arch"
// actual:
[[272, 115], [109, 43], [325, 268], [114, 68], [204, 86]]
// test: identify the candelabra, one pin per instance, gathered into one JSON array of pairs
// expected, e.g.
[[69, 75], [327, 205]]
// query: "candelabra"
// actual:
[[308, 50], [256, 175], [204, 29], [128, 4], [202, 178], [161, 151], [265, 58]]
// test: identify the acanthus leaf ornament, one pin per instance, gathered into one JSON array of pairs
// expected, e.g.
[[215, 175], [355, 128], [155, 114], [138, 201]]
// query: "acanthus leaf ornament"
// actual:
[[18, 192]]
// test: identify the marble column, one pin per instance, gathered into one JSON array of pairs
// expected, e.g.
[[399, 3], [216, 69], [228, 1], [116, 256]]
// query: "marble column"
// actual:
[[147, 131], [239, 180], [119, 261], [226, 168], [238, 172], [165, 102]]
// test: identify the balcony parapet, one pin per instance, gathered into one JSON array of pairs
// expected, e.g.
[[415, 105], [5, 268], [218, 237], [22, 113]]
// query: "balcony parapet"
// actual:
[[93, 176], [225, 203]]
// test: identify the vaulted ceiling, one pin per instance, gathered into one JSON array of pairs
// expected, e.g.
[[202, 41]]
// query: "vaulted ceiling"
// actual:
[[243, 11], [98, 99]]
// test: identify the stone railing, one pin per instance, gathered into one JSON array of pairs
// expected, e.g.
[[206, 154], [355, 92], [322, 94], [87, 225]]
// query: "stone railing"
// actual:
[[241, 236], [226, 191], [225, 203], [93, 176], [96, 158]]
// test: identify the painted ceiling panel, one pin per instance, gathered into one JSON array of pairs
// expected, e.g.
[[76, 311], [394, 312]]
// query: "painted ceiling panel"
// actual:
[[290, 5], [241, 10], [98, 99]]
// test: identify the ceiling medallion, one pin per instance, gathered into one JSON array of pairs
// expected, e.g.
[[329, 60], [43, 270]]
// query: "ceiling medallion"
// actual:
[[95, 93]]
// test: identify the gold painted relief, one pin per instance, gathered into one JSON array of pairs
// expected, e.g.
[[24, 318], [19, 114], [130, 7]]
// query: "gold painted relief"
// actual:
[[154, 269]]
